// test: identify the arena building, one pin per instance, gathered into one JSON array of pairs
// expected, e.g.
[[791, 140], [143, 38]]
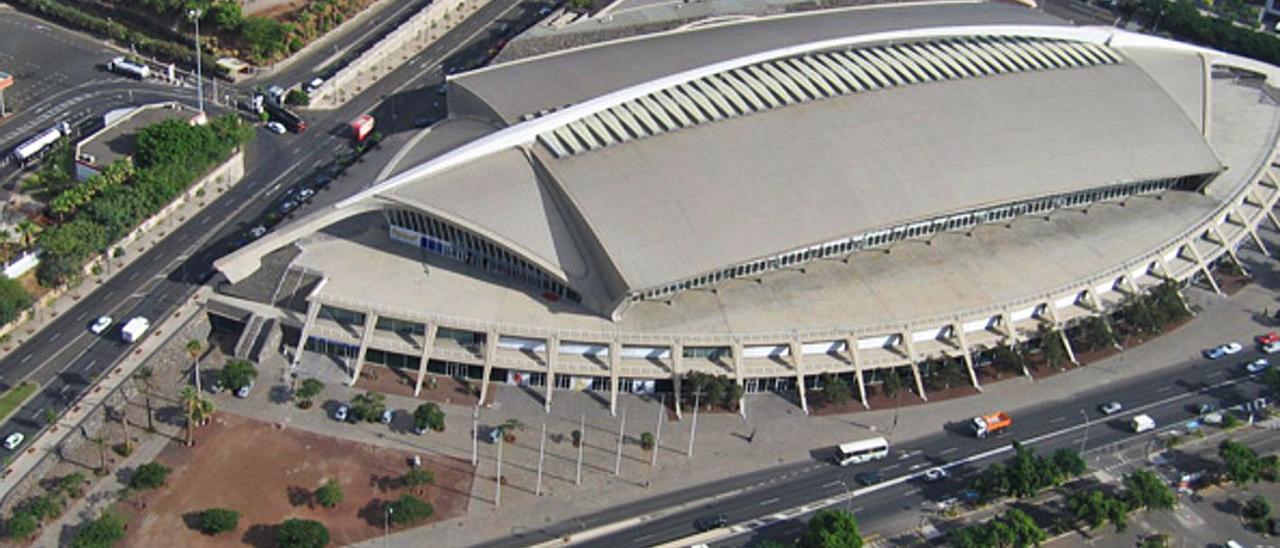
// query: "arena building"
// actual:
[[854, 191]]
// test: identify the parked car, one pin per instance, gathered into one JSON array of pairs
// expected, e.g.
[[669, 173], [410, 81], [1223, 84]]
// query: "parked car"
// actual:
[[387, 415], [714, 521], [1206, 408], [257, 232], [1222, 350], [1110, 408], [101, 324], [870, 477], [322, 180], [276, 128], [934, 474], [494, 434], [1271, 348], [243, 391], [14, 440], [419, 429], [1257, 366], [287, 206], [314, 84], [421, 121], [305, 194], [340, 414], [1267, 338]]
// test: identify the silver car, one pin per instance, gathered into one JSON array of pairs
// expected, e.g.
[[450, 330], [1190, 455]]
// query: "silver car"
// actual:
[[1110, 408]]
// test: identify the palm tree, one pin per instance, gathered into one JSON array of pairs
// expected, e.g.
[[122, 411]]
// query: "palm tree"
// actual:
[[198, 411], [144, 377], [6, 245], [193, 349], [124, 420], [27, 231], [101, 443]]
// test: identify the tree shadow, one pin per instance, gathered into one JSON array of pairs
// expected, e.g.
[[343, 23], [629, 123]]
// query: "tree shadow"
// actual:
[[260, 535], [299, 496], [192, 521], [374, 512], [280, 394]]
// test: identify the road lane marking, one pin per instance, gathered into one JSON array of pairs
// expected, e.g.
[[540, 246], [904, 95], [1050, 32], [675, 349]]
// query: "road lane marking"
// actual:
[[948, 451], [1164, 389], [831, 483], [769, 501], [1057, 420], [25, 359]]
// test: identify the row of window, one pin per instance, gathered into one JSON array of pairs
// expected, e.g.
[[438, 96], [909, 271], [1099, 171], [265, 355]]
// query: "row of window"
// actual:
[[454, 242], [880, 238]]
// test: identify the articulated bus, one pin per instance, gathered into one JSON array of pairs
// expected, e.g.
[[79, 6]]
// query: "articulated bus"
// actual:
[[858, 452]]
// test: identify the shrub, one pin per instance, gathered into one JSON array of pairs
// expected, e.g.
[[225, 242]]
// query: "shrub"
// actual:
[[409, 509], [13, 299], [429, 415], [297, 97], [216, 521], [302, 533], [368, 406], [329, 494], [646, 441], [237, 374], [103, 532], [149, 476], [835, 390], [416, 477], [21, 526]]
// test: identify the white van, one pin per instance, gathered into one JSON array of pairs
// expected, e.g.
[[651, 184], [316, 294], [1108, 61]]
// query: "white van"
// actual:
[[1142, 423]]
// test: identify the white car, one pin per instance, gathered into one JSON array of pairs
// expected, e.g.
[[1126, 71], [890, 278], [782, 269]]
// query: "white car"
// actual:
[[305, 194], [1110, 408], [1271, 348], [387, 415], [276, 127], [1257, 366], [244, 391], [14, 440], [101, 324], [1223, 350], [935, 474]]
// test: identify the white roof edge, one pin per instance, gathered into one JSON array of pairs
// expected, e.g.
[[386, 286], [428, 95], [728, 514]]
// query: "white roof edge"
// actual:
[[526, 132]]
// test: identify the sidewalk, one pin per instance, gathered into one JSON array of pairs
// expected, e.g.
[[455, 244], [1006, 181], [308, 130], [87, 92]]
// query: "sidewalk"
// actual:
[[781, 433]]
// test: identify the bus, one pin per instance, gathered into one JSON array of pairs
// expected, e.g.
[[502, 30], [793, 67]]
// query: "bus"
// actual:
[[857, 452]]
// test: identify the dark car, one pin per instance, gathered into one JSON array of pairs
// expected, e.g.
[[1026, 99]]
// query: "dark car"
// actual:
[[321, 181], [869, 478], [707, 523]]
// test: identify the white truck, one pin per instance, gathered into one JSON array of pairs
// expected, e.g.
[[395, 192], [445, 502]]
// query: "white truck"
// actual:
[[1142, 423], [36, 145], [123, 65], [134, 329]]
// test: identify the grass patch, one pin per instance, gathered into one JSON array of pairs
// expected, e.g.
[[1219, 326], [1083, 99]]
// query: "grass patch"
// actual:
[[15, 397]]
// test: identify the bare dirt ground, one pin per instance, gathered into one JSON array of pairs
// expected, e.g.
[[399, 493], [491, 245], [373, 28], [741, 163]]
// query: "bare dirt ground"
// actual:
[[268, 473], [446, 390]]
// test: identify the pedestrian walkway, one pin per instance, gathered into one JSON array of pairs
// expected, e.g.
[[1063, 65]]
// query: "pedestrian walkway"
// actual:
[[773, 432]]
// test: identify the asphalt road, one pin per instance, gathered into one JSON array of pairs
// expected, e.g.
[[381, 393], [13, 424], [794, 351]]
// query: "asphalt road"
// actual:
[[1172, 394], [64, 357]]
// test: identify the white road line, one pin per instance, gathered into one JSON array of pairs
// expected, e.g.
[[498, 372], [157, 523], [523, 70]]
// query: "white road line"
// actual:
[[25, 359], [948, 451], [54, 336], [1164, 389], [888, 468], [831, 484], [769, 501], [1057, 420]]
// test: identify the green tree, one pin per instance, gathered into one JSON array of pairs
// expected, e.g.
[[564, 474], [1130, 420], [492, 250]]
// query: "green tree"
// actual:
[[14, 299], [309, 389], [409, 509], [330, 494], [302, 533], [237, 374], [1257, 510], [892, 383], [103, 532], [428, 415], [215, 521], [733, 395], [1055, 353], [368, 406], [1243, 465], [646, 441], [835, 390], [198, 410], [1068, 462], [226, 15], [1271, 378], [1097, 333], [21, 526], [831, 529], [297, 97], [264, 37], [1095, 508], [149, 476], [417, 477], [581, 5], [1144, 489]]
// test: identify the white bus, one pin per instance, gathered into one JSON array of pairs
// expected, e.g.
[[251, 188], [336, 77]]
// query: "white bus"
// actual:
[[861, 451]]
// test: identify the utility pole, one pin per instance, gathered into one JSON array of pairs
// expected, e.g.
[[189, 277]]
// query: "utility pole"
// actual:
[[582, 427], [475, 436], [195, 14], [693, 428], [497, 495], [542, 452], [617, 460]]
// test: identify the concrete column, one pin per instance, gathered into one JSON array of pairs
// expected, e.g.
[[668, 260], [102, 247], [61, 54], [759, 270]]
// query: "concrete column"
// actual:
[[797, 361], [1230, 250], [915, 366], [1203, 267], [313, 311], [428, 343], [851, 344], [490, 354], [1165, 271], [1094, 301], [1062, 334], [736, 349], [1011, 336], [677, 371], [370, 320], [1131, 285], [553, 357], [1253, 232], [1275, 223], [958, 330], [615, 364]]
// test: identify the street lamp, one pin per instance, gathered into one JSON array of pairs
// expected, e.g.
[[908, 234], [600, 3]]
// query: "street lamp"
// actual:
[[386, 524], [848, 497], [194, 14]]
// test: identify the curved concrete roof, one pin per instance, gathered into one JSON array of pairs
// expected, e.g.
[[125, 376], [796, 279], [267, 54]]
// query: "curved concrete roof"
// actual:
[[689, 201]]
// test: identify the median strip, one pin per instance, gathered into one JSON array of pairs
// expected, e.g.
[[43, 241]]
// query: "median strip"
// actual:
[[13, 398]]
